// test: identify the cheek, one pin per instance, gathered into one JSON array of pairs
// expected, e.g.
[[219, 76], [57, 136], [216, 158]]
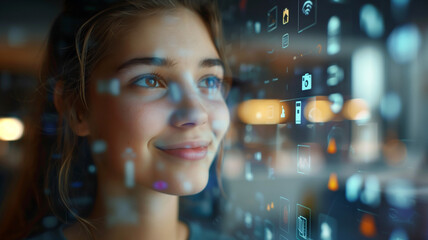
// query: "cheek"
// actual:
[[123, 124], [219, 118], [125, 121]]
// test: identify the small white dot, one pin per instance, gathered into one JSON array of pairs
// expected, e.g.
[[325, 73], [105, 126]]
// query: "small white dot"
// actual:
[[187, 186]]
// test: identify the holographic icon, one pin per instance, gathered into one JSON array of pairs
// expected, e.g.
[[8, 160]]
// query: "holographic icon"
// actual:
[[129, 174], [269, 231], [258, 156], [248, 174], [325, 231], [327, 227], [284, 221], [111, 86], [307, 16], [307, 82], [354, 186], [129, 167], [298, 112], [303, 222], [272, 19], [285, 40], [337, 101], [302, 227], [282, 112], [285, 16], [307, 7], [335, 75], [303, 159], [99, 146]]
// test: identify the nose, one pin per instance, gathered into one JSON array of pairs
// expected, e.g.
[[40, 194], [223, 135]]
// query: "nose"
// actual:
[[189, 112]]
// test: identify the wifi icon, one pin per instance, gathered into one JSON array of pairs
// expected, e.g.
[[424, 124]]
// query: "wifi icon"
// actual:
[[307, 7]]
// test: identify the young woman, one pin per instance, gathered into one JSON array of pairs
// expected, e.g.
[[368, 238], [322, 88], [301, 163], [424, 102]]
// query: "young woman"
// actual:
[[139, 90]]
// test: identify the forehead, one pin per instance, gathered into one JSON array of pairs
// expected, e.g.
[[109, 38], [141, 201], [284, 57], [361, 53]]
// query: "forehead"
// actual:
[[177, 33]]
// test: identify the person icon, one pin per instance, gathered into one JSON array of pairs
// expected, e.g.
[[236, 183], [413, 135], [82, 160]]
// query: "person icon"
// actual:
[[283, 112]]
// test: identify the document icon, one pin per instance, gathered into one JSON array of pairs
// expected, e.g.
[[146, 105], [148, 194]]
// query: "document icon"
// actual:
[[285, 16], [272, 17], [302, 227], [303, 222]]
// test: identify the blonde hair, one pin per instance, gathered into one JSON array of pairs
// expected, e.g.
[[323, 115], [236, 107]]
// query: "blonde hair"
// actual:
[[77, 42]]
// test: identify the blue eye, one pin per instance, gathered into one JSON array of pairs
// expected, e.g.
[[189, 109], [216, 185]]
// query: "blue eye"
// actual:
[[148, 81], [210, 82]]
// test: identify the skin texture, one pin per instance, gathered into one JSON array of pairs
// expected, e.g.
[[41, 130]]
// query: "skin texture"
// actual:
[[150, 114]]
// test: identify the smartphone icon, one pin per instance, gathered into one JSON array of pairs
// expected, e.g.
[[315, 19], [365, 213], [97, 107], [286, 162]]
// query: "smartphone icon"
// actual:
[[298, 112]]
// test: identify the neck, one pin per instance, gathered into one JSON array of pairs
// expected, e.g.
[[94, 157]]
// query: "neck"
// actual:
[[136, 213]]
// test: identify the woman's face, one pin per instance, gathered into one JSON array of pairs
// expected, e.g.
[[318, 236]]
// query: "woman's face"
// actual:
[[156, 104]]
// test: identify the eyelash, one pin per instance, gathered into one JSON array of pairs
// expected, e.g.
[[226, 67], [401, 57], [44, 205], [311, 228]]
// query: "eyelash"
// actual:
[[157, 77], [160, 83]]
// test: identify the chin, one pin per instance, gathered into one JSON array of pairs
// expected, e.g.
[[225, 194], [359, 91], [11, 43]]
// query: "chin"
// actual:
[[191, 187]]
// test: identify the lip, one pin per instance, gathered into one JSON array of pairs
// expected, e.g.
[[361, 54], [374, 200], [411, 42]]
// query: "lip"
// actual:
[[192, 151]]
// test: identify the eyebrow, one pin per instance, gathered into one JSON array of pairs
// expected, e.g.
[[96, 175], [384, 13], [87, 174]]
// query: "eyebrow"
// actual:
[[166, 62], [155, 61], [212, 62]]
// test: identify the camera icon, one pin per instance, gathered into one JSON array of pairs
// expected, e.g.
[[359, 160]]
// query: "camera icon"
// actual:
[[307, 82]]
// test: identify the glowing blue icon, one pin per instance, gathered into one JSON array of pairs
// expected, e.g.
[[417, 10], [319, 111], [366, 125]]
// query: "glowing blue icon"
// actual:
[[325, 231], [371, 193], [174, 92], [269, 230], [298, 112], [129, 174], [336, 100], [302, 227], [248, 174], [99, 146], [371, 21], [398, 234], [282, 112], [335, 75], [307, 16], [258, 156], [257, 27], [307, 7], [303, 222], [307, 82], [111, 86], [404, 43], [353, 187], [285, 40], [327, 227]]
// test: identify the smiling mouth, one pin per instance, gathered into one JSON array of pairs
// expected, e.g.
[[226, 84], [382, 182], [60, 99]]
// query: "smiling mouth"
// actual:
[[189, 151]]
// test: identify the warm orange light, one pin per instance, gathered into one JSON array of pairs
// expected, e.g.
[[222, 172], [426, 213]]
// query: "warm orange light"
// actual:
[[271, 205], [332, 148], [268, 207], [260, 111], [333, 183], [368, 226], [356, 109], [318, 111], [11, 129]]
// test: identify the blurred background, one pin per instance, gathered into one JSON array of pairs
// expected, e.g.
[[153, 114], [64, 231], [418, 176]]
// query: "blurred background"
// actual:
[[329, 101]]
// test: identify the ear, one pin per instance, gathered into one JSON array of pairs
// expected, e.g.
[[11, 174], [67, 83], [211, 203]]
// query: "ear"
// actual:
[[78, 123]]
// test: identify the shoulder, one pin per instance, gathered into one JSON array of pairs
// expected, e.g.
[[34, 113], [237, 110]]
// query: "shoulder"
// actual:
[[197, 231], [54, 234]]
